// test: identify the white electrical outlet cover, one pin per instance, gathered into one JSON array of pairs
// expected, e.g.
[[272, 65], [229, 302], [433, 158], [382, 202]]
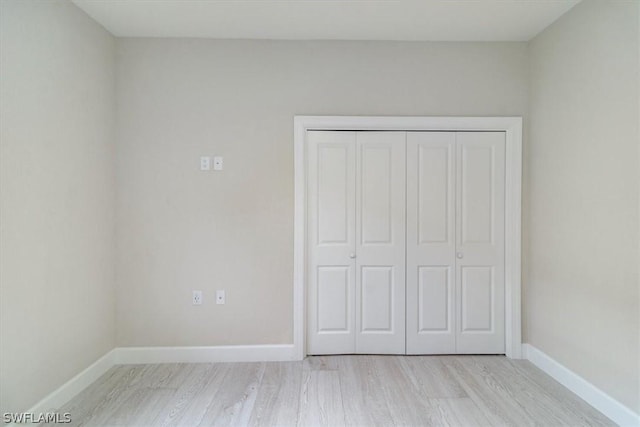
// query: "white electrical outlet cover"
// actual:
[[205, 163], [197, 298]]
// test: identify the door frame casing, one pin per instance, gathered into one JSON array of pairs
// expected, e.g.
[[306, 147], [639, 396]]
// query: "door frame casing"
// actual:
[[512, 126]]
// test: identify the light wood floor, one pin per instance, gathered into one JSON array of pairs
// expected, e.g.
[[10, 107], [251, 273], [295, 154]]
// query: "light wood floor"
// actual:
[[333, 390]]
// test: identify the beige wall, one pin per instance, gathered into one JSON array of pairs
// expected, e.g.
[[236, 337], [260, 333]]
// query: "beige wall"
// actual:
[[180, 229], [57, 183], [581, 292]]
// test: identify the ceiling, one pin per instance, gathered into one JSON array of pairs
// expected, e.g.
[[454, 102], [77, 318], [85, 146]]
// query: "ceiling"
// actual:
[[434, 20]]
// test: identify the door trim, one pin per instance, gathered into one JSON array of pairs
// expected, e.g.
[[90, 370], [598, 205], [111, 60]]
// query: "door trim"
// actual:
[[512, 126]]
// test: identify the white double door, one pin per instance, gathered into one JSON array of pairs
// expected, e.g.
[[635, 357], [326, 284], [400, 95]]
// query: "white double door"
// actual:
[[405, 235]]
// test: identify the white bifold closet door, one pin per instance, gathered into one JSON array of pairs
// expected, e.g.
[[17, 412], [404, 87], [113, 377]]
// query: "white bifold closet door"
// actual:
[[426, 204], [356, 241], [455, 242]]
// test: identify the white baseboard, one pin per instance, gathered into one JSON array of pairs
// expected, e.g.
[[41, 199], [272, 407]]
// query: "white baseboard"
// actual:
[[226, 353], [595, 397], [75, 385]]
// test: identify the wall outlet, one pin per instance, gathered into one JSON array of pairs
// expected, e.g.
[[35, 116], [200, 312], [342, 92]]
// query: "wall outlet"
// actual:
[[197, 297], [220, 297], [205, 163]]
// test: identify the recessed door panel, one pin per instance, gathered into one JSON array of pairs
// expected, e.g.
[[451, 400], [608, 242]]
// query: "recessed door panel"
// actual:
[[333, 299], [434, 192], [477, 193], [477, 298], [377, 299], [376, 214], [332, 190], [435, 299]]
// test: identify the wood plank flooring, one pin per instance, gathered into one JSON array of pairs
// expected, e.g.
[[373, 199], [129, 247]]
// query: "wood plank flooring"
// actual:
[[333, 391]]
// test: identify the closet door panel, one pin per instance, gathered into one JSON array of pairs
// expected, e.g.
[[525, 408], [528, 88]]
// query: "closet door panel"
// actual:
[[480, 242], [333, 299], [377, 299], [430, 242], [331, 237], [435, 299], [376, 185], [477, 299], [380, 242]]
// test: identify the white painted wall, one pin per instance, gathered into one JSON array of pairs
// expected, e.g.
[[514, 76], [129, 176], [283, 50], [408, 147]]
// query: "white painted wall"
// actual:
[[180, 229], [57, 104], [581, 298]]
